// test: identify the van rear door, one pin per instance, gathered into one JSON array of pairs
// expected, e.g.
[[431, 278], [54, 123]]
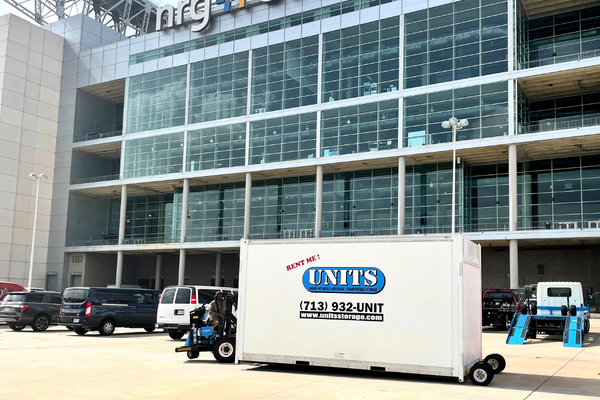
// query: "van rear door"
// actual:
[[165, 307], [73, 305]]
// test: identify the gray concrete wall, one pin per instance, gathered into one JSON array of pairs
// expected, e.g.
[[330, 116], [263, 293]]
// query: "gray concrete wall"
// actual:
[[560, 264], [30, 79], [88, 218], [93, 115]]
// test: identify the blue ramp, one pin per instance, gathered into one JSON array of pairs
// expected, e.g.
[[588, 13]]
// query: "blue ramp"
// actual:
[[519, 326], [573, 334]]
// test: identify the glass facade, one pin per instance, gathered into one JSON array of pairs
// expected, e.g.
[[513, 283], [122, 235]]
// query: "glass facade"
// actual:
[[283, 208], [218, 147], [489, 198], [215, 212], [358, 129], [218, 88], [148, 219], [562, 113], [285, 75], [361, 203], [429, 198], [156, 100], [455, 41], [155, 155], [283, 139], [361, 60], [486, 108], [563, 37]]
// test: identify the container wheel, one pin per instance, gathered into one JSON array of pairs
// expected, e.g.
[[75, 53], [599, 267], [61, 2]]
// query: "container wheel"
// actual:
[[481, 374], [193, 354], [497, 362], [224, 350]]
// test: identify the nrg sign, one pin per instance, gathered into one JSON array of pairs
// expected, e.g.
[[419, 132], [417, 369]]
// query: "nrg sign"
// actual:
[[199, 10]]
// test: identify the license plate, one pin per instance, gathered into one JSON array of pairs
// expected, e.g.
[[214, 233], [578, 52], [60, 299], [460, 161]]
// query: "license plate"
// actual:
[[178, 312], [75, 320]]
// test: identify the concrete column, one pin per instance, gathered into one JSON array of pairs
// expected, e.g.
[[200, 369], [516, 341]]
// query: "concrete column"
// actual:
[[247, 205], [514, 263], [319, 202], [181, 274], [218, 270], [158, 272], [512, 187], [122, 222], [401, 194], [184, 209]]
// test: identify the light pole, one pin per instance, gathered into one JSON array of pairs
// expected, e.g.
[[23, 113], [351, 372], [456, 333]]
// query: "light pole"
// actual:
[[455, 124], [38, 178]]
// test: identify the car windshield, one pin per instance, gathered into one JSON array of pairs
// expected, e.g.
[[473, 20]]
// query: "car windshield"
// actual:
[[74, 296], [14, 298]]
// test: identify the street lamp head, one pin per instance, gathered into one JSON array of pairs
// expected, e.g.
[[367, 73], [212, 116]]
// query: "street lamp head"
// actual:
[[44, 176], [453, 121], [32, 175], [446, 124], [463, 123], [36, 176]]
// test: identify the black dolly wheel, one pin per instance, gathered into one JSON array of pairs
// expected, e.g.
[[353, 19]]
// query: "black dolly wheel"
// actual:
[[16, 327], [224, 350], [481, 374], [40, 323], [175, 335], [497, 362], [193, 354]]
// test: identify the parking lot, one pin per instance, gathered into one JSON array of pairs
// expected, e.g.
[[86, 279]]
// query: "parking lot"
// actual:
[[58, 364]]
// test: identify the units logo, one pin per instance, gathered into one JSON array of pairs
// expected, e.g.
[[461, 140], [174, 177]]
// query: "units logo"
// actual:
[[367, 280]]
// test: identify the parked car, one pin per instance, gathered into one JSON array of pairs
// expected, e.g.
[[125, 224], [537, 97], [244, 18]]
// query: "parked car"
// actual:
[[7, 287], [499, 307], [36, 309], [104, 309], [177, 302]]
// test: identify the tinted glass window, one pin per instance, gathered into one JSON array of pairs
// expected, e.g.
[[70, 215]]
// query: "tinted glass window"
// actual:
[[55, 298], [75, 295], [14, 298], [143, 298], [183, 296], [112, 296], [559, 292], [168, 296], [35, 298], [204, 298]]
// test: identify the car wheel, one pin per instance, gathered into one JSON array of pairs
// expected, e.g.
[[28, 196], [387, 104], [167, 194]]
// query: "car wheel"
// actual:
[[69, 328], [175, 335], [40, 323], [80, 331], [107, 327], [193, 354], [149, 330], [497, 362], [573, 310], [16, 327], [481, 374], [224, 350]]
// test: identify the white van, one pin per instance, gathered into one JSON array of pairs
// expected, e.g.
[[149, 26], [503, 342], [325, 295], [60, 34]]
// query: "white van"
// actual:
[[176, 303]]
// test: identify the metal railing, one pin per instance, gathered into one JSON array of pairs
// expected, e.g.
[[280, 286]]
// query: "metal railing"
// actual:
[[92, 179], [487, 227], [96, 135], [538, 225], [560, 59], [561, 123], [94, 242]]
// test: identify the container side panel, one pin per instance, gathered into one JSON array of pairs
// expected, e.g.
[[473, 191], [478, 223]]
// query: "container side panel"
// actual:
[[471, 286], [326, 300]]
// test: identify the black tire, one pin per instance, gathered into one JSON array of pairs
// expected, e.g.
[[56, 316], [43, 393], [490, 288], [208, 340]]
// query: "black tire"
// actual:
[[534, 309], [224, 350], [176, 335], [573, 310], [524, 309], [564, 311], [532, 334], [586, 326], [497, 362], [107, 327], [80, 331], [149, 330], [16, 327], [193, 354], [503, 326], [69, 328], [481, 374], [40, 323]]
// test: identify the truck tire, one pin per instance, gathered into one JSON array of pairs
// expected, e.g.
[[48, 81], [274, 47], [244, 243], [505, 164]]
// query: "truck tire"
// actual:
[[586, 326], [524, 309], [564, 310], [224, 350], [481, 374], [497, 362], [534, 309], [503, 325], [175, 335], [573, 310]]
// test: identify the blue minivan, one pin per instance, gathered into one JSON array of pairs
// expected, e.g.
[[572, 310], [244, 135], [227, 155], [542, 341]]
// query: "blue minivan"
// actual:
[[104, 309]]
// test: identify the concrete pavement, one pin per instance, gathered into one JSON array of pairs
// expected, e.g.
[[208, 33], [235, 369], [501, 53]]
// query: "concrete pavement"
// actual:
[[132, 364]]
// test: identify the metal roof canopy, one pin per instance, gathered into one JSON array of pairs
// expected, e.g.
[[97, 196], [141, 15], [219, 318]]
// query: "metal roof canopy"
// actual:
[[128, 17]]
